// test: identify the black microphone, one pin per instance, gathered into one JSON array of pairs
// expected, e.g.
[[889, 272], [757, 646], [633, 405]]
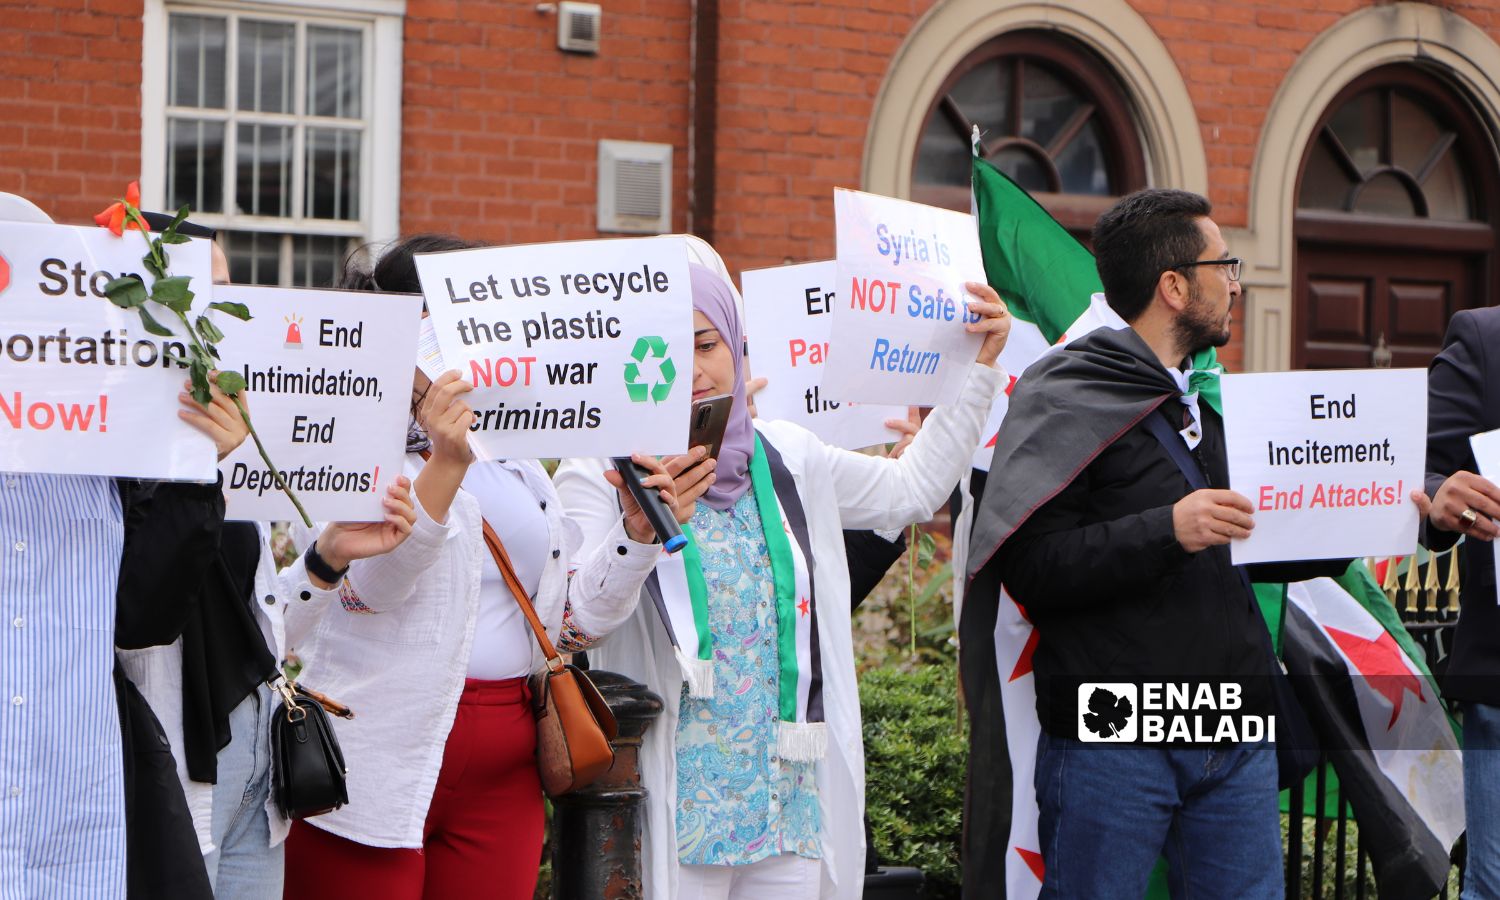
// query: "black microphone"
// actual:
[[663, 522]]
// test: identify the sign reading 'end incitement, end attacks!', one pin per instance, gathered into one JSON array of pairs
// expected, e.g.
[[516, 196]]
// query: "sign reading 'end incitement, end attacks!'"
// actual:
[[1328, 459], [574, 349], [900, 335]]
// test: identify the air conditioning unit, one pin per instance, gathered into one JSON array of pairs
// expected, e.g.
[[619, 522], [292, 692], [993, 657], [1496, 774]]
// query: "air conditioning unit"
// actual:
[[635, 187], [578, 27]]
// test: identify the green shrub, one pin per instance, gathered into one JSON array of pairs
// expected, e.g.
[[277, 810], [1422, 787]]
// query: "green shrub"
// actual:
[[915, 747]]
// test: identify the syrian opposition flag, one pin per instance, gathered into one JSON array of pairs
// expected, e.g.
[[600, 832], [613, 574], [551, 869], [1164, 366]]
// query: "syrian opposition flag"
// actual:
[[1360, 677], [1375, 704]]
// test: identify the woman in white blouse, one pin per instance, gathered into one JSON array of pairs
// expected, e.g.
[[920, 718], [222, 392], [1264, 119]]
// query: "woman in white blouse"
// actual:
[[754, 773], [429, 648]]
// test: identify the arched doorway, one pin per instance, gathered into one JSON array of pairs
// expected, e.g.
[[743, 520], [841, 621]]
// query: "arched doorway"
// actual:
[[1397, 201], [1051, 115]]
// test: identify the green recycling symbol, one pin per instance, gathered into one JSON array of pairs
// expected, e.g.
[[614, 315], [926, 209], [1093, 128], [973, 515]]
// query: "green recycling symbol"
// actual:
[[639, 390]]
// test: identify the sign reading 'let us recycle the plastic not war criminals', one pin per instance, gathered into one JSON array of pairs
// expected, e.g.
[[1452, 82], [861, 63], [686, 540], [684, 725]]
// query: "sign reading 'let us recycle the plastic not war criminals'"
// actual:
[[574, 349]]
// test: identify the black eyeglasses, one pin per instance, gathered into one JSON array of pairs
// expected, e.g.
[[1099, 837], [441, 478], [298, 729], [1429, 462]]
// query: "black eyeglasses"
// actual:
[[1233, 263]]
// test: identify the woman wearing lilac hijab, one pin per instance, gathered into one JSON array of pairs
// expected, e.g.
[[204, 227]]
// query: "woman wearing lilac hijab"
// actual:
[[755, 771]]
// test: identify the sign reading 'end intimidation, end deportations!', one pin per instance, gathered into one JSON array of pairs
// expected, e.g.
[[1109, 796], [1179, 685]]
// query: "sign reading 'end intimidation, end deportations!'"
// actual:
[[328, 374], [902, 305], [1328, 459], [574, 349]]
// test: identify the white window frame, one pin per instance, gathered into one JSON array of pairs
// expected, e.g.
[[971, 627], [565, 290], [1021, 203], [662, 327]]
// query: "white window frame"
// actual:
[[380, 151]]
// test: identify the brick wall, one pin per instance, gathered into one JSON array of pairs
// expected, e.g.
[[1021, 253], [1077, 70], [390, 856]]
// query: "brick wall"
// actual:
[[809, 71], [501, 129], [70, 97]]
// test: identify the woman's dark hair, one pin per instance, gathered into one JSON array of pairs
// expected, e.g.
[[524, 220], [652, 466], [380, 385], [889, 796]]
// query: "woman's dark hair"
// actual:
[[394, 269], [1142, 236]]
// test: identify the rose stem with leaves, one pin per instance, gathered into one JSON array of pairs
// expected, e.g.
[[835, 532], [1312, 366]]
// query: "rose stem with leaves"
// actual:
[[171, 291]]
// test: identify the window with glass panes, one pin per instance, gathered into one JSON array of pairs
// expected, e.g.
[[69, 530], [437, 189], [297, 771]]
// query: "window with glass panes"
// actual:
[[1051, 115], [267, 137]]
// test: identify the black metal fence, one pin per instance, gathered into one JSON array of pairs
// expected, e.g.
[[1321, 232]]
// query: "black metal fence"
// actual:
[[1325, 857]]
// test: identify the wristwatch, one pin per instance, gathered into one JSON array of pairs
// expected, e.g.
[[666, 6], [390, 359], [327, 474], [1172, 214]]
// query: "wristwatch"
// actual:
[[318, 566]]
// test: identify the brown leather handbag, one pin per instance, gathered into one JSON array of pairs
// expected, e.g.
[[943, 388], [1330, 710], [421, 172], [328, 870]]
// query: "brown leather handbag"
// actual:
[[573, 724]]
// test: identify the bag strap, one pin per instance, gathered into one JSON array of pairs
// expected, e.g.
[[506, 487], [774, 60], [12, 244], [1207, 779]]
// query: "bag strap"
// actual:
[[513, 581], [1177, 449]]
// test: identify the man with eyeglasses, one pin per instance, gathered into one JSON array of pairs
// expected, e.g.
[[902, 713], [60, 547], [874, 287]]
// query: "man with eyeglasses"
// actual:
[[1106, 516]]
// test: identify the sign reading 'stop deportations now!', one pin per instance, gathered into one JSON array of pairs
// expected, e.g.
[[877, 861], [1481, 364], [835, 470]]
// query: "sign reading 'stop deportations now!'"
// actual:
[[574, 349], [328, 379], [902, 305], [1328, 459], [84, 388]]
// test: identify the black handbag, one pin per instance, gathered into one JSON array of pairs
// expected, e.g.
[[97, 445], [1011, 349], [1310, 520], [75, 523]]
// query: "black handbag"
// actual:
[[308, 775]]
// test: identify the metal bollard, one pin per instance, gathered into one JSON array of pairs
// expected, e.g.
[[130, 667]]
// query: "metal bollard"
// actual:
[[596, 831]]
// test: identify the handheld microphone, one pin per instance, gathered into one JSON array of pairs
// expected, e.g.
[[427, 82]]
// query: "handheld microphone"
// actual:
[[661, 518]]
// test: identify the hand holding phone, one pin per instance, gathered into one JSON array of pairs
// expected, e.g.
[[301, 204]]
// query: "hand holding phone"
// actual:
[[709, 419]]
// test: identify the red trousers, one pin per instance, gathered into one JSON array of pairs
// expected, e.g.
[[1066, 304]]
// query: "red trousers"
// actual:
[[483, 835]]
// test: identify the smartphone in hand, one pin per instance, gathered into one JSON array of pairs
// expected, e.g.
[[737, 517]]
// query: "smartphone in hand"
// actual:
[[709, 419]]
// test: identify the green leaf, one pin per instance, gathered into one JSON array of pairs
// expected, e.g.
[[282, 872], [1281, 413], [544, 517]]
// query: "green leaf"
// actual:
[[127, 292], [213, 351], [926, 546], [199, 373], [173, 293], [238, 310], [150, 263], [175, 238], [178, 219], [231, 383], [208, 330], [152, 325]]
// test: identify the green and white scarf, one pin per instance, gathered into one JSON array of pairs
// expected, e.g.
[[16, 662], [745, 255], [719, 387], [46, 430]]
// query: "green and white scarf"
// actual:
[[681, 596]]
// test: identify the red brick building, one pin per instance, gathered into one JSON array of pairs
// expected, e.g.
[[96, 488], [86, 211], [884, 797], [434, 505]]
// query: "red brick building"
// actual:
[[1349, 146]]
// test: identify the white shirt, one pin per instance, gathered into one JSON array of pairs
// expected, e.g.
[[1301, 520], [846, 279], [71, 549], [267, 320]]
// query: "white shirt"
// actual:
[[393, 643], [1193, 433], [62, 791], [502, 638], [839, 489]]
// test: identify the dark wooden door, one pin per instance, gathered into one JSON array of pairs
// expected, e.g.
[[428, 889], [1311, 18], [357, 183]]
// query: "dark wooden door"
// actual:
[[1395, 223], [1352, 300]]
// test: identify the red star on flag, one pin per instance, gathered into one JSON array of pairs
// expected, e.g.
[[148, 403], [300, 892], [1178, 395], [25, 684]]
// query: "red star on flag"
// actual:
[[803, 606], [1033, 861], [1023, 662], [1383, 664]]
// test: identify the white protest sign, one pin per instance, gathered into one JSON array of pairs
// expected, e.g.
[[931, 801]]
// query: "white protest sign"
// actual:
[[1486, 447], [902, 305], [788, 320], [1329, 460], [574, 349], [328, 378], [84, 388]]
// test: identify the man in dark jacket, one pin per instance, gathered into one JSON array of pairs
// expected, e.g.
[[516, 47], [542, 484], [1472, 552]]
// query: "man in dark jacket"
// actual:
[[1107, 517], [1463, 399]]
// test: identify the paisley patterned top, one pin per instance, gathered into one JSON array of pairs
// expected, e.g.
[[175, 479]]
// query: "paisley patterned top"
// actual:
[[737, 801]]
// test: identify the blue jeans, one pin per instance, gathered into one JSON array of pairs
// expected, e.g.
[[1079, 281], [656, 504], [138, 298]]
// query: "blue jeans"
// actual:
[[1482, 800], [245, 866], [1109, 811]]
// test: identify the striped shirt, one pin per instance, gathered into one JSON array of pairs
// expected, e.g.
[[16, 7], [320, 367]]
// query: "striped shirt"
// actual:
[[62, 793]]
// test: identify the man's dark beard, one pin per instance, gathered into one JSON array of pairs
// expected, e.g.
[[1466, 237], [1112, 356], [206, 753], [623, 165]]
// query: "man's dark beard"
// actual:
[[1198, 327]]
